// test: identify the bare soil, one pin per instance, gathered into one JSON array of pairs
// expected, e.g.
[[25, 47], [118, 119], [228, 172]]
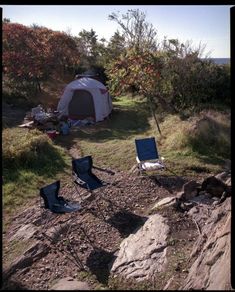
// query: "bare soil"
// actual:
[[88, 239], [88, 244]]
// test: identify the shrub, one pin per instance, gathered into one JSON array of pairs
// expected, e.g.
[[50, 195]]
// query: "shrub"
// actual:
[[206, 134], [29, 149]]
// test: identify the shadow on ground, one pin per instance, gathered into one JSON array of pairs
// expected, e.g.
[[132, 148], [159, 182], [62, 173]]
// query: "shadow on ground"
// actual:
[[122, 123], [10, 284], [170, 183], [126, 222], [99, 263]]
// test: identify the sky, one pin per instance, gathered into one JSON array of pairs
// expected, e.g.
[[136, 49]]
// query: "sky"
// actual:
[[205, 24]]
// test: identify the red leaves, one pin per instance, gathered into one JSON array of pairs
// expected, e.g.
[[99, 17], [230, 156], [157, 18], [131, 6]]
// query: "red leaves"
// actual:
[[141, 70], [31, 54]]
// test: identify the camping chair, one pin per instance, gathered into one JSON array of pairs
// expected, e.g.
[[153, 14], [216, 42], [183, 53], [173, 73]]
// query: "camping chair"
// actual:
[[84, 178], [147, 156], [55, 204]]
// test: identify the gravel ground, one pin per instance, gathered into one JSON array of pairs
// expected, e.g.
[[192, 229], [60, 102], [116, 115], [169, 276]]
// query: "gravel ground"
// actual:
[[88, 239], [82, 244]]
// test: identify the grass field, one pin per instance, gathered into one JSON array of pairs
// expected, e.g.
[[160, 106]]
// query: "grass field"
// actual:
[[199, 144]]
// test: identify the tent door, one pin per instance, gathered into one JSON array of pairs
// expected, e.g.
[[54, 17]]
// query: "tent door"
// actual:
[[81, 105]]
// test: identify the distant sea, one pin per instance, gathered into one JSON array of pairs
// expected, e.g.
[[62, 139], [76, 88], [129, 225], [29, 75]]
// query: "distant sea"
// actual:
[[220, 61]]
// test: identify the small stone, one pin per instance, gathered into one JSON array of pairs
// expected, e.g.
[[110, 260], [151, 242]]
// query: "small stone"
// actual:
[[66, 284]]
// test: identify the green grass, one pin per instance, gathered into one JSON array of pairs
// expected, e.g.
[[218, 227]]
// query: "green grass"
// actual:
[[30, 160], [111, 142], [189, 146], [201, 143]]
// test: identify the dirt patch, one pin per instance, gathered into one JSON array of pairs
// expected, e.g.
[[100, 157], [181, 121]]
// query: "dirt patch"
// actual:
[[92, 236], [82, 245]]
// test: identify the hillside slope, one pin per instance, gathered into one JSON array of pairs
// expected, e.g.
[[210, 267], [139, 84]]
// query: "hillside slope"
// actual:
[[38, 252]]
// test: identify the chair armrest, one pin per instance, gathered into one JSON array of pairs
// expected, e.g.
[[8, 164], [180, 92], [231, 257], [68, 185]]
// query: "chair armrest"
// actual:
[[104, 169], [77, 179], [137, 159], [161, 160]]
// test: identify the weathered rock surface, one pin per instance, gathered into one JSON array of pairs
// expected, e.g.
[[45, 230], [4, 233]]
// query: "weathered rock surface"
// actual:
[[223, 176], [190, 189], [166, 202], [214, 186], [35, 252], [141, 255], [25, 232], [69, 283], [211, 254], [144, 253]]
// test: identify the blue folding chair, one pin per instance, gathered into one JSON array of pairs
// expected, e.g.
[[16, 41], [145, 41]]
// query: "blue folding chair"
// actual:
[[86, 179], [147, 157], [54, 202], [83, 175], [55, 206]]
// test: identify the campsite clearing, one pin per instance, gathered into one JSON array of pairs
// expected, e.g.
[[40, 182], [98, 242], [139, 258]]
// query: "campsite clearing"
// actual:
[[111, 144]]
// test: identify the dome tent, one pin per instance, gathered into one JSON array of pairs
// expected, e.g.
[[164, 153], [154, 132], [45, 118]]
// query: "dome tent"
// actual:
[[83, 98]]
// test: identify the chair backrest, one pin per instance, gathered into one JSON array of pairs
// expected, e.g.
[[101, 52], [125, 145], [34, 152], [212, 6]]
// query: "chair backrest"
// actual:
[[146, 149], [50, 193], [82, 168], [82, 165]]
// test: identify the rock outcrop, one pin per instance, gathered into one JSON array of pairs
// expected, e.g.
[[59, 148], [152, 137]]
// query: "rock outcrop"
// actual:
[[35, 252], [143, 253], [211, 253]]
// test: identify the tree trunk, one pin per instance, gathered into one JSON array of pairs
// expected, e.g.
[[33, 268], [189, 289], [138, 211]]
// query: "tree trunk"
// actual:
[[39, 86], [154, 116]]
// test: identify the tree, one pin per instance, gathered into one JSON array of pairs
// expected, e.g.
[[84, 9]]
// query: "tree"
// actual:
[[138, 33], [31, 55], [116, 46], [173, 48], [94, 54], [144, 71], [193, 80], [62, 50], [22, 55], [6, 20], [173, 76], [87, 47]]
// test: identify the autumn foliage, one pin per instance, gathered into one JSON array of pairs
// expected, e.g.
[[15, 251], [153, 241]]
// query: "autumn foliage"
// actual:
[[167, 80], [30, 55], [172, 76], [144, 71]]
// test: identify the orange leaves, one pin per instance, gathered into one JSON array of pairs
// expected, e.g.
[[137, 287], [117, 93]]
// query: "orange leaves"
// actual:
[[139, 69], [30, 54]]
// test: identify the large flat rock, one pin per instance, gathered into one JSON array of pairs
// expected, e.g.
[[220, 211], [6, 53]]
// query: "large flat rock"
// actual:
[[166, 202], [143, 253], [34, 253]]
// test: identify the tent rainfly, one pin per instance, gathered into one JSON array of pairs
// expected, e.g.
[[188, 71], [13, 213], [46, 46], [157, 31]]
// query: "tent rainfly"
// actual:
[[85, 98]]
